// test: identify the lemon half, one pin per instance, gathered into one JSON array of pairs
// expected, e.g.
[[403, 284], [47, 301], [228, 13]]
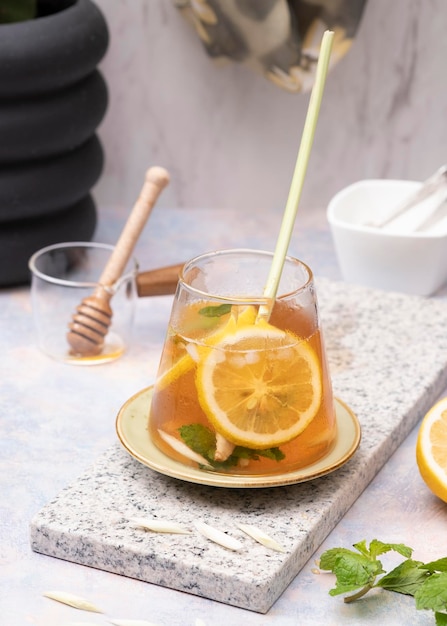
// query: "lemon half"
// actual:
[[431, 449]]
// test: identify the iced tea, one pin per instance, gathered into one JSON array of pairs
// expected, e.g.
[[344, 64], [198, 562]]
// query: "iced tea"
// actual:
[[236, 393]]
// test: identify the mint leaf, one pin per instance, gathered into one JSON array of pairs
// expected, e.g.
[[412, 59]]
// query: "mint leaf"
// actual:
[[354, 571], [215, 311], [275, 454], [200, 439], [405, 578], [203, 441], [377, 547], [357, 571], [436, 566], [329, 558], [240, 452], [362, 548], [441, 619], [433, 593]]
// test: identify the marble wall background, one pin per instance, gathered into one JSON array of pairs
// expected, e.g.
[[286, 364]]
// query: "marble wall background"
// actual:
[[230, 138]]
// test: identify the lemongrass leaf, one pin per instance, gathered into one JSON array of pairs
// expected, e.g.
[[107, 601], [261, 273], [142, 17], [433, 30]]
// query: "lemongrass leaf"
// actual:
[[132, 622], [74, 601], [219, 537], [261, 537], [81, 624], [183, 449], [160, 526]]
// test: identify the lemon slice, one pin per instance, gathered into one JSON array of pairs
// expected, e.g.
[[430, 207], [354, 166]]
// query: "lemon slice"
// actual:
[[183, 365], [431, 449], [240, 316], [260, 387]]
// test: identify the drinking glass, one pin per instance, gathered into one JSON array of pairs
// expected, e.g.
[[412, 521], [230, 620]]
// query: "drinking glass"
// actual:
[[236, 392]]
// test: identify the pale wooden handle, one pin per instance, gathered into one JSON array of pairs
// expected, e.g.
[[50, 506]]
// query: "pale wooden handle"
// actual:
[[159, 282], [155, 181]]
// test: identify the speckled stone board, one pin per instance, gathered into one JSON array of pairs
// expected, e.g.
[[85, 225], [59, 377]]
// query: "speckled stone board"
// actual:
[[388, 358]]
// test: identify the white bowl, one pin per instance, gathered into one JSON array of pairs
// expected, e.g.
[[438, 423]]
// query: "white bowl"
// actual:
[[389, 259]]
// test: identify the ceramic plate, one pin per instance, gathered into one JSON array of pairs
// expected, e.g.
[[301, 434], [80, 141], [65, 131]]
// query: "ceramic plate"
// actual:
[[131, 427]]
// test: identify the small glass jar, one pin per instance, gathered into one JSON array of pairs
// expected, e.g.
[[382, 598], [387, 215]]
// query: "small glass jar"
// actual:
[[62, 276]]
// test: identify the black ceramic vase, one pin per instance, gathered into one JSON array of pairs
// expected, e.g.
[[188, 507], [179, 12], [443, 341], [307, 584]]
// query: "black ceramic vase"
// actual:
[[52, 99]]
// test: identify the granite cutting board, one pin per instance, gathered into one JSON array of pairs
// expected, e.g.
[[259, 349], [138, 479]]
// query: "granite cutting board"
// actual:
[[388, 358]]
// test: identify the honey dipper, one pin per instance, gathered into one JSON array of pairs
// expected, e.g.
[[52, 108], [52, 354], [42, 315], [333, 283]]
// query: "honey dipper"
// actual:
[[93, 316], [161, 281]]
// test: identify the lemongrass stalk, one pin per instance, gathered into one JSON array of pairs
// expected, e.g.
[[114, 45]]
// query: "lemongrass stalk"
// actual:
[[299, 173]]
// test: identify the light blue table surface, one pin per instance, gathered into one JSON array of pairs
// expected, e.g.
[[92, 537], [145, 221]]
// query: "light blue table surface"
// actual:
[[55, 420]]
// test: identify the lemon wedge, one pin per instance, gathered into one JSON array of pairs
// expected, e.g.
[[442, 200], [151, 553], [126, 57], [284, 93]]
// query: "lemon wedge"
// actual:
[[240, 316], [431, 449]]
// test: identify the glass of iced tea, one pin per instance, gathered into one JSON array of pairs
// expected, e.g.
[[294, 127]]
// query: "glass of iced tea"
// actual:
[[236, 392]]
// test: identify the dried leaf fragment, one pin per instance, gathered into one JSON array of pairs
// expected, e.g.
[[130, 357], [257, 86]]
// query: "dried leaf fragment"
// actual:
[[261, 537], [160, 526], [213, 534], [75, 601]]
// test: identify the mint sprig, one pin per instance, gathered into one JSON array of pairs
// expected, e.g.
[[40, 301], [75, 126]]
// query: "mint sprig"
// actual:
[[203, 441], [358, 571]]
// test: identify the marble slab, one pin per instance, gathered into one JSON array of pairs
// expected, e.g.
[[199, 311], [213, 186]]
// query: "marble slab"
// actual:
[[388, 358]]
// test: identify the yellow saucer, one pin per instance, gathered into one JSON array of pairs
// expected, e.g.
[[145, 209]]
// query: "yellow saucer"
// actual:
[[131, 427]]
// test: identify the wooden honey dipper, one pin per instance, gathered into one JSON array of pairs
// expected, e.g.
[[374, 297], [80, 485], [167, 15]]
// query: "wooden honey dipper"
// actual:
[[93, 316], [161, 281]]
